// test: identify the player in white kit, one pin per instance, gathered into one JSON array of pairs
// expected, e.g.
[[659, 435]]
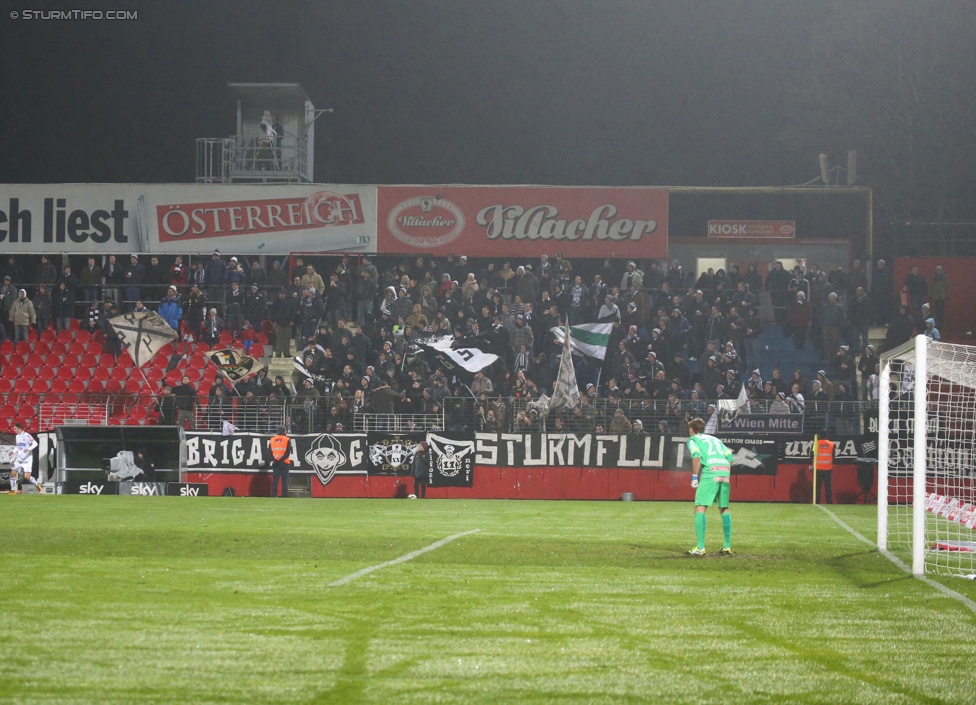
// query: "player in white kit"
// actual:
[[23, 465]]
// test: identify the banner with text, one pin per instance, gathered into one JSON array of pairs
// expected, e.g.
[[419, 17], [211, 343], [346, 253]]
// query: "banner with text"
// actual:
[[187, 218], [524, 221], [752, 228], [324, 454]]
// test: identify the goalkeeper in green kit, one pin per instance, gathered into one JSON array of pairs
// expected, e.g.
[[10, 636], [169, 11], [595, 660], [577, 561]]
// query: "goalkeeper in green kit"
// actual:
[[711, 461]]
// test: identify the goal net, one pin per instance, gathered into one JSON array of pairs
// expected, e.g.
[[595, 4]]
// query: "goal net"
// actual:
[[927, 456]]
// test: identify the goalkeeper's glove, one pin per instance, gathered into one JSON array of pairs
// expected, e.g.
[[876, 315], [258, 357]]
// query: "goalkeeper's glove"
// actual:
[[694, 481]]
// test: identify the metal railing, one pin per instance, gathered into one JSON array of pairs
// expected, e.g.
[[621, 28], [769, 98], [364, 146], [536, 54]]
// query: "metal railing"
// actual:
[[261, 414]]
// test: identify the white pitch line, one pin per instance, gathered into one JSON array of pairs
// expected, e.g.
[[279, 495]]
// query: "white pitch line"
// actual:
[[402, 559], [949, 592]]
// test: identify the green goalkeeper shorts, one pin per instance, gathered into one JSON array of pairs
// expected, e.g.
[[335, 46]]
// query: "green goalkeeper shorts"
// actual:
[[709, 490]]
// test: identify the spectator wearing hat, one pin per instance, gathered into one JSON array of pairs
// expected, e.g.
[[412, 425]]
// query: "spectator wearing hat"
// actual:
[[917, 288], [170, 309], [845, 369], [134, 277], [631, 275], [8, 294], [831, 322], [779, 405], [235, 273], [419, 466], [931, 332], [211, 327], [255, 305], [825, 384]]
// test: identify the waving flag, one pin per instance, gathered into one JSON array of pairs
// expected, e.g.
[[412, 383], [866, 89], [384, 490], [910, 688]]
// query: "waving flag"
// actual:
[[590, 339], [470, 359], [234, 364], [565, 393], [142, 333]]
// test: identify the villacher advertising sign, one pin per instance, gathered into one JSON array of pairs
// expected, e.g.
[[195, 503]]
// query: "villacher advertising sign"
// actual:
[[523, 221]]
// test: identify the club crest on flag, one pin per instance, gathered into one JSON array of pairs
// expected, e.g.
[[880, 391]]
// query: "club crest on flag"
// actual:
[[234, 364]]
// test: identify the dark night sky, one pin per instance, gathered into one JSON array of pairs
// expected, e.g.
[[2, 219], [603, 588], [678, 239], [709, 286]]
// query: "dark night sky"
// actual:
[[612, 92]]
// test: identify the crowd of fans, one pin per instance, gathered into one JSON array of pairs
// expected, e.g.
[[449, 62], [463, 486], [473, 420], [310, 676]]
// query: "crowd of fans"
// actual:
[[354, 320]]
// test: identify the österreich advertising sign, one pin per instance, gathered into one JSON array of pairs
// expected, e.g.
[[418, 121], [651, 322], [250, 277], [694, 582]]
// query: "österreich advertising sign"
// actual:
[[187, 218], [752, 228], [523, 221]]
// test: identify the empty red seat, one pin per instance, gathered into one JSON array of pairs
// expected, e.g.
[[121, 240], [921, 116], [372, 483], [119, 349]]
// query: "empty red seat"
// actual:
[[26, 411], [48, 335], [76, 348], [70, 360], [11, 372], [37, 360], [16, 359], [74, 324], [58, 386], [58, 348], [120, 373], [257, 350], [6, 347], [6, 384], [82, 335], [39, 386], [41, 347], [101, 373], [77, 386], [113, 386], [88, 360], [64, 336], [23, 348], [66, 373]]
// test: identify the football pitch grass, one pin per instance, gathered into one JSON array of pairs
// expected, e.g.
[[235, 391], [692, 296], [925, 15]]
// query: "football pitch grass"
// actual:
[[175, 600]]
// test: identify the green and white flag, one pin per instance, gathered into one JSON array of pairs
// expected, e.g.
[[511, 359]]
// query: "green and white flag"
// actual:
[[565, 393], [588, 339]]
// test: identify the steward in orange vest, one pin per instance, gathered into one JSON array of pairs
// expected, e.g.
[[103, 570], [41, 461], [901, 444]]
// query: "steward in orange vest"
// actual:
[[280, 449], [824, 454]]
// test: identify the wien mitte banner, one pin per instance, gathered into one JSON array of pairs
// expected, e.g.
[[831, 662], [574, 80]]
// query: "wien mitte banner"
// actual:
[[523, 221]]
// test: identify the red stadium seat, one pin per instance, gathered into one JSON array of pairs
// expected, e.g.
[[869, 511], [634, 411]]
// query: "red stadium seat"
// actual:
[[8, 413], [74, 324], [120, 373], [65, 336], [82, 336], [40, 386], [41, 347], [6, 347], [46, 373], [77, 386], [28, 373], [113, 386], [11, 372], [257, 351], [6, 384], [37, 360], [133, 386], [173, 378], [96, 386], [16, 359], [137, 412], [117, 421], [58, 386], [201, 349], [78, 349], [198, 362], [26, 411], [225, 337], [101, 373], [88, 360], [66, 372], [24, 348], [98, 336], [58, 348], [154, 374], [48, 336]]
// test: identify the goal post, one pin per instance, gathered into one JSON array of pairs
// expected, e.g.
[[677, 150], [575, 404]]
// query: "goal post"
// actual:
[[927, 456]]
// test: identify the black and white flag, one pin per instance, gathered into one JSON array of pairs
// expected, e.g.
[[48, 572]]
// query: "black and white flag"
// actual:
[[142, 333], [470, 359]]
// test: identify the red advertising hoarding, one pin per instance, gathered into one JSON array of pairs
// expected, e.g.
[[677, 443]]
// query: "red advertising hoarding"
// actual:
[[752, 228], [523, 221]]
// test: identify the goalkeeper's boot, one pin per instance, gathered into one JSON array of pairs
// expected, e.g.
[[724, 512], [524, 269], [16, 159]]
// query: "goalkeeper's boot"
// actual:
[[695, 552], [726, 551]]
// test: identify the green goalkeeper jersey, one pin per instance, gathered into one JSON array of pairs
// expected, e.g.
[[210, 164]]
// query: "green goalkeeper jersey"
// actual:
[[716, 459]]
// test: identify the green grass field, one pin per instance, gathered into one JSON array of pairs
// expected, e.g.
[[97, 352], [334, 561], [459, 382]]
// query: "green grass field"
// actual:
[[125, 599]]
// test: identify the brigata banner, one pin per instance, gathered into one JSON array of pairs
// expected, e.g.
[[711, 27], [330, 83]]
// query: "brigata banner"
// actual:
[[523, 221], [324, 454], [752, 228], [187, 218]]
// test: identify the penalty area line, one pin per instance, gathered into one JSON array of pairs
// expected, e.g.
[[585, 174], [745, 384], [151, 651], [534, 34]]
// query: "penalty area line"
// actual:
[[948, 592], [402, 559]]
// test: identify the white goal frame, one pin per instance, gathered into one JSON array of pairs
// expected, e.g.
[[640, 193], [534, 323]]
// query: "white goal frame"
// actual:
[[941, 538]]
